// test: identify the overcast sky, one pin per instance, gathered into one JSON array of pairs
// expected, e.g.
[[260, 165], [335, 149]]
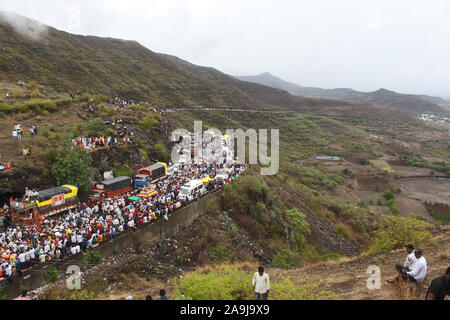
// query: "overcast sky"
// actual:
[[402, 45]]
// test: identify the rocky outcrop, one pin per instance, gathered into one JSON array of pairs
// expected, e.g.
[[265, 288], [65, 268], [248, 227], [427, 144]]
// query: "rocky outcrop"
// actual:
[[105, 159], [14, 181], [324, 233]]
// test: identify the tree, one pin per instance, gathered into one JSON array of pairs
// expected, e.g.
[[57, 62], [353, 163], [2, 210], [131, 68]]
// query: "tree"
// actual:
[[72, 167]]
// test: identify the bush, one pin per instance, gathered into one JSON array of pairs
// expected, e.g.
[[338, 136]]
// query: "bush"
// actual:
[[161, 152], [6, 108], [35, 93], [394, 208], [286, 258], [52, 274], [396, 232], [298, 223], [229, 283], [344, 230], [222, 253], [95, 128], [149, 122], [94, 256], [388, 195]]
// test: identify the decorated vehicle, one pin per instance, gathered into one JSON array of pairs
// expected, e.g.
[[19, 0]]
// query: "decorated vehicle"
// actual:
[[45, 204], [110, 189], [148, 192], [141, 181], [156, 171]]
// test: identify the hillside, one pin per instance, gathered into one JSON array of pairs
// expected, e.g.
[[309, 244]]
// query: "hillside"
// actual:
[[65, 63], [406, 102], [314, 210]]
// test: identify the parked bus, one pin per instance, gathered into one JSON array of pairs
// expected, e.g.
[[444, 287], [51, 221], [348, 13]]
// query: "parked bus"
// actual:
[[156, 171], [110, 188], [47, 203]]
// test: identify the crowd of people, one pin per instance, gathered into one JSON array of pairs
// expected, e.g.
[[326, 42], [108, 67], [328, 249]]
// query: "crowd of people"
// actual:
[[7, 165], [91, 143], [120, 103], [89, 225]]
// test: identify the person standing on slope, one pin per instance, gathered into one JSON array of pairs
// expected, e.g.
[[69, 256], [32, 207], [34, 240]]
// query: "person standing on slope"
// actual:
[[261, 284]]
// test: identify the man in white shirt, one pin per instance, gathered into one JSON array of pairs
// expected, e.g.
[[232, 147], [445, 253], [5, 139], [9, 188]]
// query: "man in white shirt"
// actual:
[[261, 284], [419, 269], [410, 259]]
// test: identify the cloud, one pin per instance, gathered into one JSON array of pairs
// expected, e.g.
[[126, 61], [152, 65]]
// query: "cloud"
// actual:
[[374, 18], [26, 27]]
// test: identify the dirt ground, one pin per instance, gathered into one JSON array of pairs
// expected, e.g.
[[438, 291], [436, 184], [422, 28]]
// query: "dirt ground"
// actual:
[[426, 190], [408, 206]]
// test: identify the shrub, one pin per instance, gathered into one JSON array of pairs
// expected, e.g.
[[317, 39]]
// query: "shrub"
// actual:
[[161, 152], [35, 93], [286, 258], [52, 274], [149, 122], [222, 253], [344, 230], [6, 108], [394, 208], [94, 256], [298, 223], [388, 195], [396, 232], [18, 95], [229, 283]]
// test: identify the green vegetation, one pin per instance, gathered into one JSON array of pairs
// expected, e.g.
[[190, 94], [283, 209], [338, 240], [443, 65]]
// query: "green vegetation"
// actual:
[[94, 256], [395, 232], [286, 258], [440, 168], [93, 128], [72, 166], [161, 152], [123, 170], [345, 231], [223, 252], [394, 208], [227, 282], [52, 274], [299, 225], [149, 122], [388, 195]]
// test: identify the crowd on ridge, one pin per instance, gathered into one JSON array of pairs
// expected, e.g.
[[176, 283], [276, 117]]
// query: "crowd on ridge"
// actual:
[[89, 225]]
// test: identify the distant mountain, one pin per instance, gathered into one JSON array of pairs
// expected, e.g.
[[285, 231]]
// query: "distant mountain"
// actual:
[[406, 102]]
